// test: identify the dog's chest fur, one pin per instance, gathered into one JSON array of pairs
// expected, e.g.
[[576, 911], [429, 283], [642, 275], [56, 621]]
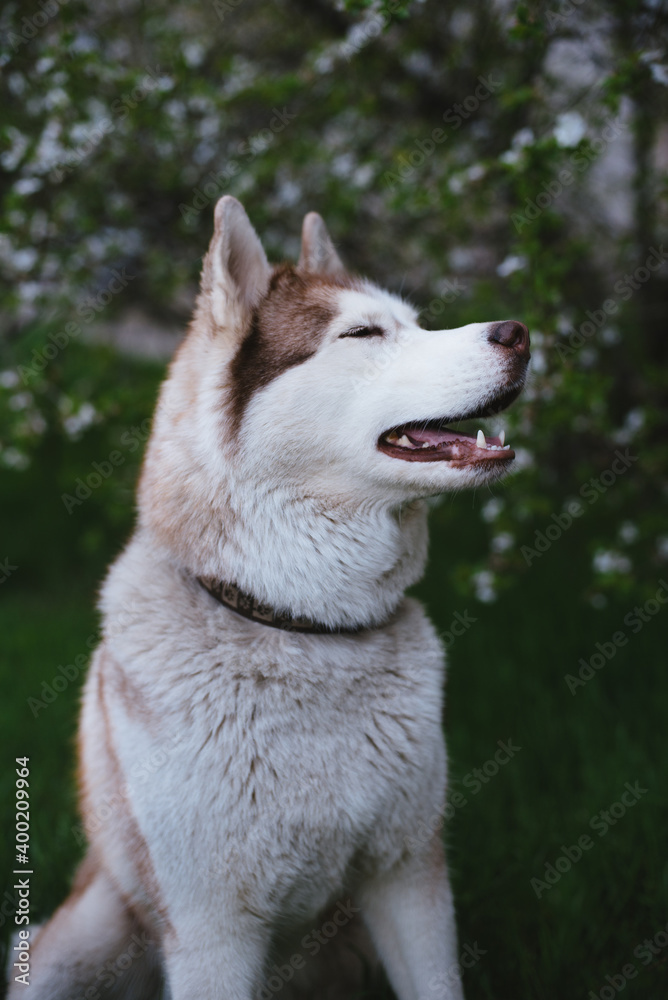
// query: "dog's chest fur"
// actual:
[[293, 764]]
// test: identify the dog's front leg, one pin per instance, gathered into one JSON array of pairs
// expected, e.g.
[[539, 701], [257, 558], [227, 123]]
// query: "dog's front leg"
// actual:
[[410, 914], [224, 962]]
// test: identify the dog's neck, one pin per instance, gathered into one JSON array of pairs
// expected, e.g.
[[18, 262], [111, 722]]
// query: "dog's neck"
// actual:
[[342, 567]]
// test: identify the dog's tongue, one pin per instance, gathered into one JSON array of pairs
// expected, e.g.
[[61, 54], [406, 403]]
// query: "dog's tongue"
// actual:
[[434, 438]]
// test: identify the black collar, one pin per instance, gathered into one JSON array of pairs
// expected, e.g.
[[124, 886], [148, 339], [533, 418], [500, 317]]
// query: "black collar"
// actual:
[[249, 607]]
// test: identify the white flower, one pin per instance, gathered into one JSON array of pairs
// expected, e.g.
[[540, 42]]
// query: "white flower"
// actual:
[[610, 335], [523, 138], [83, 43], [343, 165], [456, 183], [16, 83], [538, 360], [491, 510], [56, 98], [15, 459], [633, 421], [363, 175], [523, 459], [29, 291], [49, 152], [25, 259], [27, 185], [11, 158], [9, 378], [611, 562], [659, 73], [569, 129], [20, 400], [587, 357], [502, 542], [628, 532], [78, 422], [662, 547], [483, 582], [193, 53], [510, 157], [512, 263], [44, 64], [288, 193], [165, 82], [475, 172]]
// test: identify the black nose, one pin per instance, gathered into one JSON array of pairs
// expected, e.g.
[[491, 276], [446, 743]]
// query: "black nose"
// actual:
[[511, 334]]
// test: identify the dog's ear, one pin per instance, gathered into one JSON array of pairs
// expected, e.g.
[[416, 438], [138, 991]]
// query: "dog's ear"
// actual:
[[236, 271], [318, 255]]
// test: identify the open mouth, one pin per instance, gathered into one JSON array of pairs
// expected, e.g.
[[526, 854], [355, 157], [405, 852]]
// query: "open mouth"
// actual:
[[434, 441]]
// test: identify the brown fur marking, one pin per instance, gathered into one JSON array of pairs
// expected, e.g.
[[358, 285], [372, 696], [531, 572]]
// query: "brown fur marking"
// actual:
[[286, 330]]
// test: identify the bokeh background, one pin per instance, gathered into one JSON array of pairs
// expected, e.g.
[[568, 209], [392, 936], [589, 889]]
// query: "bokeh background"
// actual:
[[488, 160]]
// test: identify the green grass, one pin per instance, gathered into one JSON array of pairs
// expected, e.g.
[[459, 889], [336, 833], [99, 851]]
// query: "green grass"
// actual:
[[505, 682]]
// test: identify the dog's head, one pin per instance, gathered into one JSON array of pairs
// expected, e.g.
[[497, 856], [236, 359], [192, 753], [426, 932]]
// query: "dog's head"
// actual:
[[306, 383], [330, 380]]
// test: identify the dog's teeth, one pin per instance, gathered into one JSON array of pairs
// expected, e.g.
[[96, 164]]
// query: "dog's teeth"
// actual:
[[403, 442], [392, 437], [502, 438], [425, 444], [480, 440], [506, 447]]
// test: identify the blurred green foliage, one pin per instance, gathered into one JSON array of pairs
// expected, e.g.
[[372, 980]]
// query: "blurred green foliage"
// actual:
[[432, 137]]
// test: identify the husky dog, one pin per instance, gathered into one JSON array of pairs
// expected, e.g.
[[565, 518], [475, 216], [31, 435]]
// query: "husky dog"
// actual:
[[260, 736]]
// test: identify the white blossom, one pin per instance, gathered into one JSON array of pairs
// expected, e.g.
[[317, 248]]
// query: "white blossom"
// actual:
[[569, 129], [483, 582], [512, 263], [491, 510], [79, 421], [610, 561], [14, 459], [502, 542], [9, 378], [628, 532]]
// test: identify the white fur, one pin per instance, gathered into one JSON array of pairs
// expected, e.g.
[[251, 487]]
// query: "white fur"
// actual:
[[296, 768]]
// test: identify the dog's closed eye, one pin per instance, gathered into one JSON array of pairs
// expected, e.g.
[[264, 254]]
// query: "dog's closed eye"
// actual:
[[363, 331]]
